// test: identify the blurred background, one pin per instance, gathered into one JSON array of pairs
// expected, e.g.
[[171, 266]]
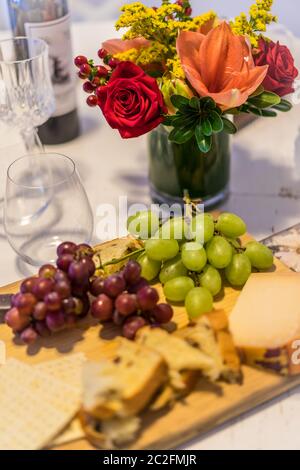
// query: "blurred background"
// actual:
[[287, 10]]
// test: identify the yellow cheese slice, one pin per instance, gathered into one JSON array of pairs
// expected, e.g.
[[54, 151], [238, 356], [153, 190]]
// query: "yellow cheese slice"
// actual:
[[265, 321]]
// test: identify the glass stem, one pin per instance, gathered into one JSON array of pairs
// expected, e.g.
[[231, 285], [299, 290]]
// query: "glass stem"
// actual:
[[32, 141]]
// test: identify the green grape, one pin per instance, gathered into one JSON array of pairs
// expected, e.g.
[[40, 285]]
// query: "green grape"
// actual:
[[203, 227], [176, 228], [219, 252], [150, 268], [211, 280], [171, 269], [176, 289], [260, 256], [231, 225], [193, 256], [239, 270], [143, 224], [198, 302], [161, 250]]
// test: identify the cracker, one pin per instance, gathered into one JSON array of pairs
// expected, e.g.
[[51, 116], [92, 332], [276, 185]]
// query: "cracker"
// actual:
[[34, 406], [68, 369]]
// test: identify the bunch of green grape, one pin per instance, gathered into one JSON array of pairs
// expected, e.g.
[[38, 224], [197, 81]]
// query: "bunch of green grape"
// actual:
[[192, 258]]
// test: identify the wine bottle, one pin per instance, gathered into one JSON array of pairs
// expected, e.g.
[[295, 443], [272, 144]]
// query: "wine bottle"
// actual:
[[50, 20]]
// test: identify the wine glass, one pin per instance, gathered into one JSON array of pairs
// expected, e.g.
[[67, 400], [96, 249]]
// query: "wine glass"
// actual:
[[26, 93], [45, 204]]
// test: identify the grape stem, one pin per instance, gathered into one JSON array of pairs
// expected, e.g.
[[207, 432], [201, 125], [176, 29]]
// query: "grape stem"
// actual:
[[123, 258]]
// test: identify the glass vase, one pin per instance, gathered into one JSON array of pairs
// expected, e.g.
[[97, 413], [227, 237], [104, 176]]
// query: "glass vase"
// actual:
[[178, 169]]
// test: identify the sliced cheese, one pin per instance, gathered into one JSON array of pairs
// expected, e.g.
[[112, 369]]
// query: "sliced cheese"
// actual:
[[266, 320]]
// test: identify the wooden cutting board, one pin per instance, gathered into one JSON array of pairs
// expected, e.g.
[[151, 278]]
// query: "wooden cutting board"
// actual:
[[203, 410]]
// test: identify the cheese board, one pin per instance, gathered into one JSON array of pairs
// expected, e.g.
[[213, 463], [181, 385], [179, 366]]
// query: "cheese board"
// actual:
[[207, 407]]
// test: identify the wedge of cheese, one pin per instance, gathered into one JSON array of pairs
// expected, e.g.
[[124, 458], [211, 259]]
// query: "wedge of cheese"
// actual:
[[265, 322]]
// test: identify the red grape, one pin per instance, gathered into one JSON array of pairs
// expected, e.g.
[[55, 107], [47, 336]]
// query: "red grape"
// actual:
[[114, 285], [78, 272], [97, 286], [126, 304], [69, 306], [138, 286], [53, 301], [88, 87], [15, 320], [92, 101], [40, 311], [63, 288], [162, 313], [27, 285], [47, 271], [132, 272], [147, 298], [66, 248], [25, 303], [85, 301], [85, 250], [29, 335], [132, 325], [80, 60], [64, 261], [80, 289], [60, 276], [55, 321], [102, 53], [102, 308], [42, 329], [42, 287], [89, 263]]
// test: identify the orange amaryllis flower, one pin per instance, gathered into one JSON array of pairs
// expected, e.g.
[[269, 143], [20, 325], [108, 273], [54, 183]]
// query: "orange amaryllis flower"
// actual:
[[220, 65], [117, 46]]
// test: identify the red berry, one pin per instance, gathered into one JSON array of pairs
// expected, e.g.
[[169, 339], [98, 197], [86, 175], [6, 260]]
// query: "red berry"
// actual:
[[40, 311], [102, 53], [27, 285], [97, 287], [53, 301], [92, 101], [96, 82], [25, 303], [55, 321], [101, 71], [64, 261], [85, 69], [80, 60], [132, 325], [83, 249], [113, 62], [47, 271], [15, 320], [29, 335], [99, 91], [88, 87], [162, 313], [81, 75], [188, 11], [147, 298]]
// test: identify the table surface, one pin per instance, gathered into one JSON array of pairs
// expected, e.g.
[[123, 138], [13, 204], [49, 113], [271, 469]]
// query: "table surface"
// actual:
[[265, 190]]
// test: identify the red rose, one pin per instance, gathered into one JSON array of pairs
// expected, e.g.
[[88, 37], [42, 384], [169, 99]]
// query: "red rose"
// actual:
[[282, 72], [131, 101]]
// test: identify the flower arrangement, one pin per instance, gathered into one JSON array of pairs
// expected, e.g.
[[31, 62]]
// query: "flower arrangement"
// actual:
[[188, 73]]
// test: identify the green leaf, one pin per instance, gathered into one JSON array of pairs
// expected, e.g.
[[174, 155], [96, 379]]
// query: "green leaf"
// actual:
[[283, 106], [206, 127], [204, 142], [194, 103], [181, 135], [265, 100], [184, 120], [233, 111], [268, 113], [208, 102], [168, 121], [180, 102], [229, 127], [258, 91], [216, 121]]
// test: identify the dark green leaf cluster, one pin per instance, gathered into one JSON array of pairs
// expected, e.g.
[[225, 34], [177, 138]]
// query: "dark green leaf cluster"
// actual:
[[198, 118]]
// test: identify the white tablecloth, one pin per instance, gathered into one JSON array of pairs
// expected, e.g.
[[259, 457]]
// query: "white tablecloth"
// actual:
[[265, 190]]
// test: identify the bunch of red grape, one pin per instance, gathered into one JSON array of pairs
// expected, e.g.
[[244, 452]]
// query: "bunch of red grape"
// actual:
[[128, 300], [57, 298]]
